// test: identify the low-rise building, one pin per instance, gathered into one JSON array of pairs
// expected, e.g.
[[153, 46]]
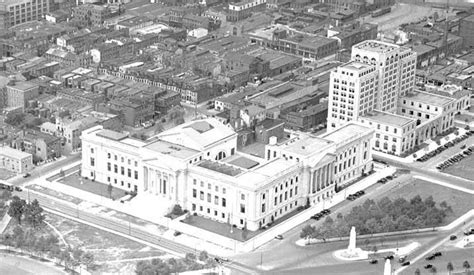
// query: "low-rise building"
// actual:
[[20, 92], [15, 160]]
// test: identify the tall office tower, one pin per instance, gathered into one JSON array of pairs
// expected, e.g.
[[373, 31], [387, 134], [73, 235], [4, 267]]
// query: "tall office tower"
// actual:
[[353, 87], [396, 68], [22, 11], [377, 76]]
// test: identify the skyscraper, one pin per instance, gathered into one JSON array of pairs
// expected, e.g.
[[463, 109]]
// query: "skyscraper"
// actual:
[[377, 75]]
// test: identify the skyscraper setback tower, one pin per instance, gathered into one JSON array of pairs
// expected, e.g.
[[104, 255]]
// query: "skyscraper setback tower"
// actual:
[[377, 76]]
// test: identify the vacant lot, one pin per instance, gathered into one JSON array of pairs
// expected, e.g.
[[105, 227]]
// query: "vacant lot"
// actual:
[[464, 168], [459, 201], [112, 253]]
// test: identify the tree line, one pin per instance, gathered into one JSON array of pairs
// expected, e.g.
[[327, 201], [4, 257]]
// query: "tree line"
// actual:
[[31, 213], [385, 215], [174, 266]]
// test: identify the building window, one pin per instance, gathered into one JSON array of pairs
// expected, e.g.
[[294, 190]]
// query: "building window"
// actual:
[[108, 155], [224, 202], [92, 161], [242, 208], [201, 195], [208, 197], [92, 150], [136, 174], [263, 208], [109, 166], [242, 196], [122, 170], [115, 168], [129, 172]]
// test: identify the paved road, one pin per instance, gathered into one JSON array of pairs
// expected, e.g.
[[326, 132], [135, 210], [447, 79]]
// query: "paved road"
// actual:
[[42, 170], [455, 256]]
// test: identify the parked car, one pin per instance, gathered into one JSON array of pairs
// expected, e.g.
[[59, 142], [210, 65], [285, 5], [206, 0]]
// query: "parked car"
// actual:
[[373, 261], [390, 257], [437, 254], [279, 237], [176, 233], [428, 266], [453, 237], [406, 263], [27, 175], [429, 258]]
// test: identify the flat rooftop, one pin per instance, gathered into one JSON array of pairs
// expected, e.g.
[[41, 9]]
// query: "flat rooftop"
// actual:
[[376, 46], [220, 167], [356, 66], [13, 153], [113, 135], [171, 149], [306, 144], [388, 118], [346, 132], [428, 98]]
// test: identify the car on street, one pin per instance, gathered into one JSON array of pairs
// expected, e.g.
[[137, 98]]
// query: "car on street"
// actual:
[[279, 237], [390, 257], [406, 263], [26, 175], [430, 257], [373, 261], [428, 266], [176, 233], [402, 259], [437, 254], [326, 211], [453, 237]]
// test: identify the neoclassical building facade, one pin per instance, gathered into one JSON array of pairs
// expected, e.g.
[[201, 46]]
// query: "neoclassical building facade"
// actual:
[[197, 166]]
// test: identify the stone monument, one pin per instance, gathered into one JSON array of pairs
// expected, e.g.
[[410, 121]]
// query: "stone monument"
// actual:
[[388, 268], [352, 240]]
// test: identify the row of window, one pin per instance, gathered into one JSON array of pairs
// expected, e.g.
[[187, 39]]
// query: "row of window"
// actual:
[[208, 197], [122, 170]]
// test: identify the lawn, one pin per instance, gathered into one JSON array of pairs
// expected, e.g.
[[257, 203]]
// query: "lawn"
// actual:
[[54, 193], [5, 174], [224, 228], [459, 201], [113, 254], [76, 181], [464, 168]]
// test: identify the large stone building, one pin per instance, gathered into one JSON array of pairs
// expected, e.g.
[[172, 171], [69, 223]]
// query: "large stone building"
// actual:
[[18, 93], [197, 165], [21, 11], [377, 88], [466, 31]]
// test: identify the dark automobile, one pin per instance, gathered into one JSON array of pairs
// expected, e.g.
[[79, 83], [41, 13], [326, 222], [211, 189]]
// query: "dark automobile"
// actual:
[[406, 263], [437, 254], [428, 266], [326, 211], [390, 257], [279, 237], [453, 237], [429, 258], [26, 175], [373, 261]]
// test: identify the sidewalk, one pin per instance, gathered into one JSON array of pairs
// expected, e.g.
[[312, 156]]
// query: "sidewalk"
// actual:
[[4, 222]]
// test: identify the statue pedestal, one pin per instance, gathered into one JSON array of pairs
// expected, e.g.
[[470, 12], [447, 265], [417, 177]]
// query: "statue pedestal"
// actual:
[[355, 254]]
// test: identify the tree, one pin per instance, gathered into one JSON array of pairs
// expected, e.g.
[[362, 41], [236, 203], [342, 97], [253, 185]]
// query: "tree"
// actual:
[[16, 209], [190, 257], [33, 214], [18, 236], [15, 119], [177, 210], [88, 259], [450, 267], [203, 256], [307, 232], [466, 265]]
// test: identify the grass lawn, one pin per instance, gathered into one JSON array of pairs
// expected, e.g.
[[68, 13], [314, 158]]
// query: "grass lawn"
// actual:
[[54, 193], [459, 201], [5, 174], [74, 180], [113, 254], [224, 228], [464, 168]]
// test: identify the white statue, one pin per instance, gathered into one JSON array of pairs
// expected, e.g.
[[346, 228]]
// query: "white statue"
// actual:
[[388, 268], [352, 240]]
